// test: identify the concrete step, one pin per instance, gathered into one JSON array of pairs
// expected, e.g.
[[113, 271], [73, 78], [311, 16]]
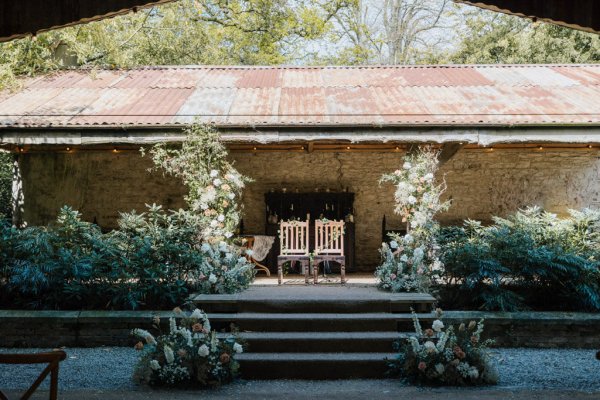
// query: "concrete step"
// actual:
[[317, 322], [313, 365], [317, 342], [315, 302]]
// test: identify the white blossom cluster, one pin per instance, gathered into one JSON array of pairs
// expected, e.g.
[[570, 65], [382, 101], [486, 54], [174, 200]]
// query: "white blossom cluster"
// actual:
[[441, 355], [216, 203], [190, 351], [410, 261]]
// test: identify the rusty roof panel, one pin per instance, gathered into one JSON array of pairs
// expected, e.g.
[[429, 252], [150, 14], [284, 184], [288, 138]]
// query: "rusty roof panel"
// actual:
[[211, 103], [321, 96], [255, 106], [302, 105], [260, 78], [306, 77]]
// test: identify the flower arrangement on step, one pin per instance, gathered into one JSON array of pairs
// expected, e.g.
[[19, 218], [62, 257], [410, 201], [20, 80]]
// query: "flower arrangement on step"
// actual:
[[189, 354], [446, 355], [409, 262]]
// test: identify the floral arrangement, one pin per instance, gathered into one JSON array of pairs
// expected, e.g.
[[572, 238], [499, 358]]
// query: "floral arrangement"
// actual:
[[446, 356], [190, 354], [409, 262], [214, 185], [224, 268]]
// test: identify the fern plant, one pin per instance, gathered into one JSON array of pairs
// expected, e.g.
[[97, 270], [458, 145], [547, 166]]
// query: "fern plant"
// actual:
[[519, 260]]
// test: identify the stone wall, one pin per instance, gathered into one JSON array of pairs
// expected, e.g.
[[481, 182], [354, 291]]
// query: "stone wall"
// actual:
[[480, 184]]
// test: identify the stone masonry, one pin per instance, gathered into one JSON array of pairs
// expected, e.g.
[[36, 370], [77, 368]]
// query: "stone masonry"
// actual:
[[480, 184]]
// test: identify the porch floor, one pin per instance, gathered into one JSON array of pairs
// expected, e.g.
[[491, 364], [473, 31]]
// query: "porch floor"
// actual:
[[352, 279]]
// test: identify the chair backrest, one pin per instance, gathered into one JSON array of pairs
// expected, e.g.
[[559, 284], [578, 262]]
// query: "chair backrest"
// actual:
[[293, 237], [329, 237]]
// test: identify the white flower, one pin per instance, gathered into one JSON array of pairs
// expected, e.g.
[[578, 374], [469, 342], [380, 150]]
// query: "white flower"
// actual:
[[212, 278], [394, 244], [473, 373], [228, 234], [231, 195], [439, 368], [412, 199], [172, 325], [437, 325], [428, 177], [204, 206], [249, 252], [154, 365], [430, 346], [203, 351], [221, 218], [404, 258], [418, 253], [169, 356], [217, 182], [205, 247], [407, 165], [214, 173], [198, 314], [238, 348], [408, 239], [214, 223]]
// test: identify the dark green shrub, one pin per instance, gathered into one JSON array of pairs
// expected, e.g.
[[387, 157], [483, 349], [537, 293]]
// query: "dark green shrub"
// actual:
[[524, 261], [153, 261]]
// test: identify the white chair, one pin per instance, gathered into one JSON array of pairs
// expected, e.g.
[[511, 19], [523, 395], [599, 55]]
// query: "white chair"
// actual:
[[294, 246], [329, 246]]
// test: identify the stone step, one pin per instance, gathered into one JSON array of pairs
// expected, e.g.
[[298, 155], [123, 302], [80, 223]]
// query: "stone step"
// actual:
[[314, 365], [314, 300], [318, 322], [317, 342]]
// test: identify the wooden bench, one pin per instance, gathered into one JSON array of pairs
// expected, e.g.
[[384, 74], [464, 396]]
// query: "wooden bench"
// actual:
[[52, 358]]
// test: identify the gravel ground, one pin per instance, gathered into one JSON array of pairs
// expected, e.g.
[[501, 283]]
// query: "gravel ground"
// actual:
[[111, 367]]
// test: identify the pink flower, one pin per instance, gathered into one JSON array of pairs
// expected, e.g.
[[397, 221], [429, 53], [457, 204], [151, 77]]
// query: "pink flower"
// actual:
[[393, 276], [422, 366]]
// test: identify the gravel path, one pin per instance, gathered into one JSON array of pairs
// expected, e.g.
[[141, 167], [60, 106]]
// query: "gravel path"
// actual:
[[111, 367]]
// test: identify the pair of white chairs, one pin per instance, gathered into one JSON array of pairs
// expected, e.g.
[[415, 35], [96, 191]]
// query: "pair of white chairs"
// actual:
[[295, 246]]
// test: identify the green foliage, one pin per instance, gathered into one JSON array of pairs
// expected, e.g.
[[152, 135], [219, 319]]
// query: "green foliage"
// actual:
[[186, 32], [445, 356], [497, 38], [153, 260], [529, 256], [5, 185]]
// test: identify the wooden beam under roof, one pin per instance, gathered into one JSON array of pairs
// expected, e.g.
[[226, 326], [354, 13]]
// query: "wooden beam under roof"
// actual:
[[583, 15], [20, 18]]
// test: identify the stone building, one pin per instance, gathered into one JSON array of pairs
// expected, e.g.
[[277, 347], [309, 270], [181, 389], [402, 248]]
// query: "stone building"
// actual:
[[510, 137]]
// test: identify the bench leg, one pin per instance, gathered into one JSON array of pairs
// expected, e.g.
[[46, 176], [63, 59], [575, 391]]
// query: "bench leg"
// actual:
[[316, 272], [343, 272]]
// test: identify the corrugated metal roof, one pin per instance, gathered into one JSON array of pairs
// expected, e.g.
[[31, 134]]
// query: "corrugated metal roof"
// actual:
[[320, 96]]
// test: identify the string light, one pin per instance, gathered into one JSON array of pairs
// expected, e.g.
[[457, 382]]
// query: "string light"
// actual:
[[348, 148], [68, 149], [590, 146], [115, 150], [540, 148], [21, 149], [254, 148]]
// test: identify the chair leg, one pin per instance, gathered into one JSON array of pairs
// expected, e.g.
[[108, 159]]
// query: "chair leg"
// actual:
[[343, 272], [279, 272], [306, 267]]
